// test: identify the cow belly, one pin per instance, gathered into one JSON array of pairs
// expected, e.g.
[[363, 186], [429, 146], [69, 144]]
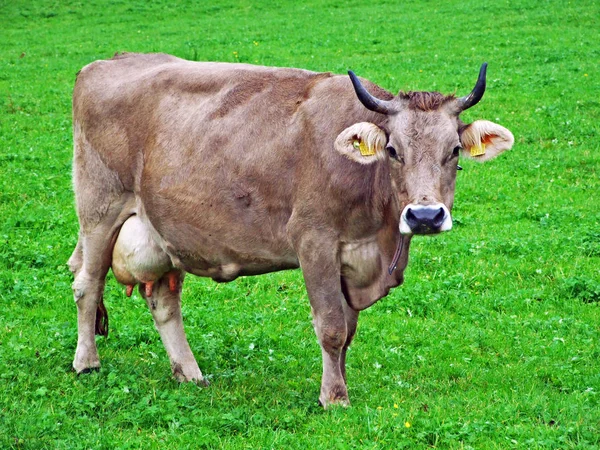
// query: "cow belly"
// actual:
[[229, 257], [222, 253], [216, 225], [229, 272], [224, 264]]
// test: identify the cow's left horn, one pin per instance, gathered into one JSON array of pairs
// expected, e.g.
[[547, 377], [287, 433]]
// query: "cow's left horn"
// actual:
[[473, 98], [368, 100]]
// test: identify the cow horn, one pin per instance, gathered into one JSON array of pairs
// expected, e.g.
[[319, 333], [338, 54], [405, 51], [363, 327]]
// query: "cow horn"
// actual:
[[473, 98], [368, 100]]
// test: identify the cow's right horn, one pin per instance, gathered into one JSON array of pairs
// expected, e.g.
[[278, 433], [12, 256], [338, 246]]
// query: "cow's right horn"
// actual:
[[473, 98], [369, 101]]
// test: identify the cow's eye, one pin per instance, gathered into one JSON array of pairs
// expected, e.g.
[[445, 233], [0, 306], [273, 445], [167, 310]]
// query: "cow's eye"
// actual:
[[392, 152], [456, 151]]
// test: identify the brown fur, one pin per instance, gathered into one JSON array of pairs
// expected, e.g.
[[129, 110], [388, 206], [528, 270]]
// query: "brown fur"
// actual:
[[233, 169], [426, 101]]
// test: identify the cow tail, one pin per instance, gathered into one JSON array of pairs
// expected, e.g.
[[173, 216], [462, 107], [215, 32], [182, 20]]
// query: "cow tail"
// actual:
[[101, 319]]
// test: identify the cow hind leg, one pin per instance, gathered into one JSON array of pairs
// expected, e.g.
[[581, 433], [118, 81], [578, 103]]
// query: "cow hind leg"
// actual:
[[76, 260], [90, 263], [91, 318], [75, 263], [165, 306]]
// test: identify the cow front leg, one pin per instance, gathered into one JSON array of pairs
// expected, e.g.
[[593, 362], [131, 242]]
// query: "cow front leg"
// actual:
[[318, 256], [331, 331], [165, 306]]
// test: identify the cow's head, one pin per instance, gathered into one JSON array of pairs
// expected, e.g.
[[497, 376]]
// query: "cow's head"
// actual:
[[423, 137]]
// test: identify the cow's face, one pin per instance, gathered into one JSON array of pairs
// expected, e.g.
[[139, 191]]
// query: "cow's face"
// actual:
[[424, 138]]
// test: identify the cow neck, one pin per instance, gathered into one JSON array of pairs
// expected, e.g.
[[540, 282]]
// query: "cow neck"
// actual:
[[400, 246], [397, 255]]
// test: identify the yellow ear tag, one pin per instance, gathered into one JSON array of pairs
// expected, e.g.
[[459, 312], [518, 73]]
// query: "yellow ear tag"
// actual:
[[478, 150], [365, 150]]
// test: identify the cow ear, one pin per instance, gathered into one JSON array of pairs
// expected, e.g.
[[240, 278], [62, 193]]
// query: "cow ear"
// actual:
[[363, 142], [483, 140]]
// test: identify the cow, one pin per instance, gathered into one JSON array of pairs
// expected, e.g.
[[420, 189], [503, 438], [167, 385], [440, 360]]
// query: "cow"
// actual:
[[224, 170]]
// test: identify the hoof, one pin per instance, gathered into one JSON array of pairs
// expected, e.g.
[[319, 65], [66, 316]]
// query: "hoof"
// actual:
[[85, 364], [188, 375], [337, 396], [202, 383], [340, 403], [86, 370]]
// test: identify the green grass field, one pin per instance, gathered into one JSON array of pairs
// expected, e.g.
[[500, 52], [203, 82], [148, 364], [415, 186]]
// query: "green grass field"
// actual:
[[492, 342]]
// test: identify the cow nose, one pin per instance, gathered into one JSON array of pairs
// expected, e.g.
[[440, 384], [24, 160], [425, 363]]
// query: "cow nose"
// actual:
[[425, 219]]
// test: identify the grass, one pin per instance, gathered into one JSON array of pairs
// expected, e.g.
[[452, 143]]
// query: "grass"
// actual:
[[491, 343]]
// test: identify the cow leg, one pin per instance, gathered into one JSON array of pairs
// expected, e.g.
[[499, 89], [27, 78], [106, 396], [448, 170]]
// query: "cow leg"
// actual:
[[351, 317], [103, 205], [87, 290], [331, 331], [90, 262], [165, 306], [76, 260], [321, 269]]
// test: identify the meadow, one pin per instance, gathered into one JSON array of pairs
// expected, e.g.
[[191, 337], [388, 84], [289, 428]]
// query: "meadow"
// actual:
[[492, 342]]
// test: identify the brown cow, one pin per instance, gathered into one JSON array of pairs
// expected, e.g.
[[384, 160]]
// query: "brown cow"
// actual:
[[234, 169]]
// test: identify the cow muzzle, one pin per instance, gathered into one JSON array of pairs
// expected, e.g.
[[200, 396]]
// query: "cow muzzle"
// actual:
[[425, 219]]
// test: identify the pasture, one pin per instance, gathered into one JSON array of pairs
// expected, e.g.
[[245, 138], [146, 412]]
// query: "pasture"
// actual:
[[493, 341]]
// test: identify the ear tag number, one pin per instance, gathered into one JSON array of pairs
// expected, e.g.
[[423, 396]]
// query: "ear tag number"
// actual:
[[478, 150]]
